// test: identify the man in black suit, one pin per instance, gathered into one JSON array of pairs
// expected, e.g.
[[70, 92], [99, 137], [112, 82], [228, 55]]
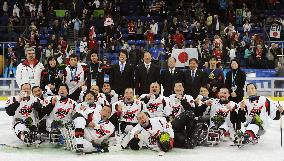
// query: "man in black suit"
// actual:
[[146, 74], [170, 76], [194, 79], [121, 74]]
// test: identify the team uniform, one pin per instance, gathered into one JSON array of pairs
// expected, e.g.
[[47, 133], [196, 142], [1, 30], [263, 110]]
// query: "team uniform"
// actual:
[[178, 106], [223, 116], [59, 113], [156, 106], [25, 114], [128, 115], [256, 114], [112, 97], [149, 137]]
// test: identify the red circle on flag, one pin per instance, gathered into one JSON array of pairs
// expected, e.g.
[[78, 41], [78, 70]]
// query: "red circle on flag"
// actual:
[[275, 34], [183, 57]]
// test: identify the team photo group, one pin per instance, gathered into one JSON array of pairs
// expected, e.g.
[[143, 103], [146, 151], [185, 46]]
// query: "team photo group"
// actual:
[[135, 107]]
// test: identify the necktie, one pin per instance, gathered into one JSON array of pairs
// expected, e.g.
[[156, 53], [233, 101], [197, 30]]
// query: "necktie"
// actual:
[[192, 74], [121, 68], [172, 71], [147, 67]]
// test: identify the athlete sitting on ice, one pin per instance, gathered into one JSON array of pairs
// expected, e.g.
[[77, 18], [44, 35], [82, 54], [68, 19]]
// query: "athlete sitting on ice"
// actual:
[[98, 131], [156, 104], [153, 133], [223, 117], [254, 112], [59, 110], [24, 108], [85, 112]]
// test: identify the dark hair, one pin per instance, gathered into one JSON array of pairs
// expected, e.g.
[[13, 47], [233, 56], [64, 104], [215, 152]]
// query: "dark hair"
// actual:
[[237, 61], [179, 82], [34, 87], [213, 57], [193, 59], [251, 84], [173, 58], [49, 59], [73, 56], [27, 84], [108, 107], [63, 85], [88, 92], [205, 86], [122, 51]]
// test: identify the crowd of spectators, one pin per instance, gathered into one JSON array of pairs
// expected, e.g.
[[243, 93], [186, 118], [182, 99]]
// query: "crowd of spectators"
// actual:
[[227, 29]]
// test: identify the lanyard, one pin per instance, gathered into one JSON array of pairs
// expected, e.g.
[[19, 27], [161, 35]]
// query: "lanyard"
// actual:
[[73, 73], [233, 78]]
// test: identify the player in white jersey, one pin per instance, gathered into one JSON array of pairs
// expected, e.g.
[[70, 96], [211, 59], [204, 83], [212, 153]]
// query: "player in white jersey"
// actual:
[[179, 102], [99, 97], [156, 104], [223, 116], [127, 109], [154, 133], [255, 112], [85, 112], [59, 109], [24, 108]]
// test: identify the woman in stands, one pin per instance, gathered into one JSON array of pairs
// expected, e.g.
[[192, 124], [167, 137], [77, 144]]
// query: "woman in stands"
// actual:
[[235, 81]]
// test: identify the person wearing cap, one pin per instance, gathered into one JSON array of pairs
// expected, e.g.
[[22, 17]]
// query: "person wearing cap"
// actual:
[[29, 71]]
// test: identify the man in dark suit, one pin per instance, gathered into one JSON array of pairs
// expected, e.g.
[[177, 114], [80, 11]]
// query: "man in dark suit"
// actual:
[[121, 74], [194, 79], [170, 76], [146, 74]]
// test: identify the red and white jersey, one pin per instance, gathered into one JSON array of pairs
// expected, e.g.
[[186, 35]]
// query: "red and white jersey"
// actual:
[[224, 109], [262, 106], [85, 108], [156, 107], [129, 110], [25, 109], [102, 130], [149, 136], [176, 107], [63, 110]]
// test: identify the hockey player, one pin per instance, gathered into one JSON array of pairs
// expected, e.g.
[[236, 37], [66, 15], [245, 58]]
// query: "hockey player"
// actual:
[[179, 102], [126, 110], [110, 94], [24, 108], [84, 114], [186, 128], [59, 110], [99, 97], [156, 104], [98, 131], [223, 117], [154, 133], [254, 112]]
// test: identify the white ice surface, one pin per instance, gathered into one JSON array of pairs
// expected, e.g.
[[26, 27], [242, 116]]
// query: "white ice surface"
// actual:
[[268, 149]]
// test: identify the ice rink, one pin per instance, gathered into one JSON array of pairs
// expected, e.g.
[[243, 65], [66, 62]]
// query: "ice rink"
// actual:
[[268, 149]]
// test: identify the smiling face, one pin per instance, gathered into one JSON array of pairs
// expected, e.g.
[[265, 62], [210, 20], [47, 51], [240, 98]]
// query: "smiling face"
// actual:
[[106, 88], [122, 57], [204, 92], [147, 57], [128, 94], [234, 65], [52, 63], [105, 112], [95, 89], [89, 98], [223, 94], [37, 92], [251, 90], [155, 88], [143, 119], [178, 88], [63, 91]]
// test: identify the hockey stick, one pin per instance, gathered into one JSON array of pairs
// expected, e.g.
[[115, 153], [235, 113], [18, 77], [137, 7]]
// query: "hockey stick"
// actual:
[[280, 124]]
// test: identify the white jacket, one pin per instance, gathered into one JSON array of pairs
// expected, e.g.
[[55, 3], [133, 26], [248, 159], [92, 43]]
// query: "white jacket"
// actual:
[[26, 73]]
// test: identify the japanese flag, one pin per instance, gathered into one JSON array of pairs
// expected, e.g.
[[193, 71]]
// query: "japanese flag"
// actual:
[[182, 56], [275, 31]]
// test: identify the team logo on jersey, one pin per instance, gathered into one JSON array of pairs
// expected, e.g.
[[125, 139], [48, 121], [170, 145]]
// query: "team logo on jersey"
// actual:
[[61, 113], [176, 110], [130, 115], [153, 107], [154, 138], [101, 131], [26, 110]]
